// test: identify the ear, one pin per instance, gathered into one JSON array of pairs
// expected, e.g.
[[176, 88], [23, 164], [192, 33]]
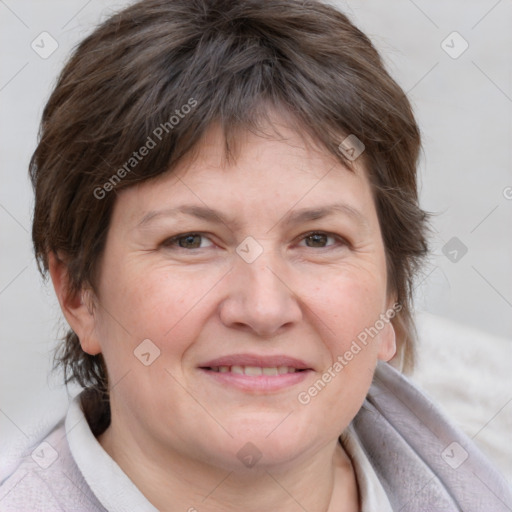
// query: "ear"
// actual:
[[78, 308], [387, 343], [387, 340]]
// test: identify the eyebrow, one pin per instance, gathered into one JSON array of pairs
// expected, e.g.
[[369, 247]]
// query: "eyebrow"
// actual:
[[294, 217], [200, 212], [300, 215]]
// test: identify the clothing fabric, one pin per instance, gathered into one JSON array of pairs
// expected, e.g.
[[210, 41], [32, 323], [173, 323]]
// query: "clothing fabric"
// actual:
[[406, 457], [372, 495], [424, 463]]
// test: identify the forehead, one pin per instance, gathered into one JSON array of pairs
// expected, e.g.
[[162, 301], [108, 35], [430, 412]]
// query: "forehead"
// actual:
[[278, 173], [279, 135]]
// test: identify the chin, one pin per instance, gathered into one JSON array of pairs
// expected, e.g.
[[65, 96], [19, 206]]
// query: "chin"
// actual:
[[269, 444]]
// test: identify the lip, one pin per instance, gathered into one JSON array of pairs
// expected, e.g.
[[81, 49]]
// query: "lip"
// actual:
[[260, 384], [257, 360]]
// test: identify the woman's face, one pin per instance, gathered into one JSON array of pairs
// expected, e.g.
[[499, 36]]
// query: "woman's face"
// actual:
[[228, 293]]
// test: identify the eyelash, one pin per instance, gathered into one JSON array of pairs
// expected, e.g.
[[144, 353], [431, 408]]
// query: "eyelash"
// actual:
[[337, 238], [170, 242]]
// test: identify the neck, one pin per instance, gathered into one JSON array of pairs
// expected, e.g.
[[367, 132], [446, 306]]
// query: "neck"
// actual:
[[324, 482]]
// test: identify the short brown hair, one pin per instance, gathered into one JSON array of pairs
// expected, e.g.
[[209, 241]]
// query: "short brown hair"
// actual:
[[224, 60]]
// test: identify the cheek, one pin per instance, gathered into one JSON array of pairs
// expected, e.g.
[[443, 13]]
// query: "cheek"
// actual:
[[158, 304], [346, 303], [359, 307], [346, 309]]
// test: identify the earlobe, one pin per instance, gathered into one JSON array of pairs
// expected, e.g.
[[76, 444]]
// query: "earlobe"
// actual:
[[78, 308], [387, 347]]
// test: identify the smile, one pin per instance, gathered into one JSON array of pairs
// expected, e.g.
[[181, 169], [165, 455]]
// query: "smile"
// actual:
[[255, 371]]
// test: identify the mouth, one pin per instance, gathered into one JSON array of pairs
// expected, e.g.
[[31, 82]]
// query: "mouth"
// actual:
[[262, 374], [255, 371]]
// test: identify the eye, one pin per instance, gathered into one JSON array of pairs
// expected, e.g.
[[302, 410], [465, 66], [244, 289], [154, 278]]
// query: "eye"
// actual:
[[187, 241], [319, 239]]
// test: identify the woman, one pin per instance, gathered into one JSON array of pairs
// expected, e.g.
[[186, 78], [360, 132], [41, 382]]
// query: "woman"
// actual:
[[226, 204]]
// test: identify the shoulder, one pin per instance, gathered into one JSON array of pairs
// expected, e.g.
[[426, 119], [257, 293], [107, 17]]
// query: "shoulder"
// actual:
[[47, 479]]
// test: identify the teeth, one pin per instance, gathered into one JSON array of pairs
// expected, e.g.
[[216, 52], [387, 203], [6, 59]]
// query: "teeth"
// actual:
[[254, 371]]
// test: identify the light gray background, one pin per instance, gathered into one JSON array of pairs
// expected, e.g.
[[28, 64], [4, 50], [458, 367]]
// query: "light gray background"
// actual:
[[463, 105]]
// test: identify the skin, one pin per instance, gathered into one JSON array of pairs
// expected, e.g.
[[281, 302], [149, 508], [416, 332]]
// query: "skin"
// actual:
[[175, 431]]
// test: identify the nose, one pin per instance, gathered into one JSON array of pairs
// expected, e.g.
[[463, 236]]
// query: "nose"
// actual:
[[260, 297]]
